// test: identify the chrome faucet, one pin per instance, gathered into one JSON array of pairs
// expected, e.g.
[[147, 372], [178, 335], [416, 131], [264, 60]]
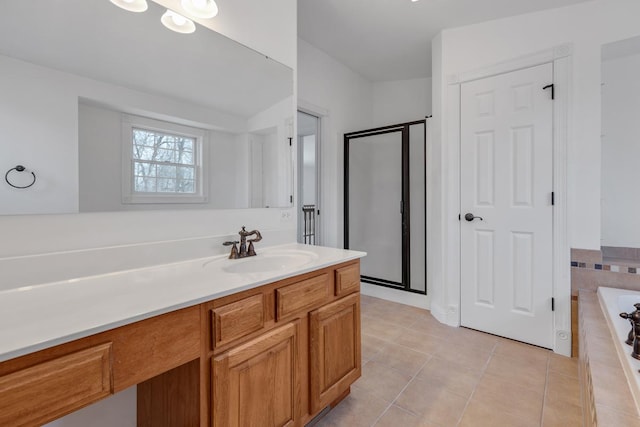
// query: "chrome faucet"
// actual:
[[244, 251]]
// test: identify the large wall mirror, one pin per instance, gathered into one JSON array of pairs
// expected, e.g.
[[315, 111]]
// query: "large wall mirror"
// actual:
[[109, 110], [621, 150]]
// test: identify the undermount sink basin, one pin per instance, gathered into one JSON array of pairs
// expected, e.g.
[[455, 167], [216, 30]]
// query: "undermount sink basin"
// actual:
[[270, 261]]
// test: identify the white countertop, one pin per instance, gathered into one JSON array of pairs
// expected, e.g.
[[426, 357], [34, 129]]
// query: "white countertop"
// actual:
[[36, 317]]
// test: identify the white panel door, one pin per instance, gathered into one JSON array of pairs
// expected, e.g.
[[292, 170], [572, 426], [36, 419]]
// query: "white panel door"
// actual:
[[507, 180]]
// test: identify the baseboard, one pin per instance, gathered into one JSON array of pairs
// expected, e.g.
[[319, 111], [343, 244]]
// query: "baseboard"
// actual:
[[402, 297]]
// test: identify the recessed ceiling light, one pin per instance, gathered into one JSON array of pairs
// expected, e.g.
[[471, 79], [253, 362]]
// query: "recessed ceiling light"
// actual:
[[413, 1], [200, 8], [132, 5], [178, 23]]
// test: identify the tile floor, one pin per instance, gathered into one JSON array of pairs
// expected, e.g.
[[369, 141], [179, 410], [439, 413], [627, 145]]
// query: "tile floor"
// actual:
[[419, 373]]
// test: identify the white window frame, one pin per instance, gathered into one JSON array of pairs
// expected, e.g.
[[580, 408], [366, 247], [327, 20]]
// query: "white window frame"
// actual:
[[129, 196]]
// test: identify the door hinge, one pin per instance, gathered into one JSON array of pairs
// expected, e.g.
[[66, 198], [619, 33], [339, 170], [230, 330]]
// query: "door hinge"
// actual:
[[553, 304], [290, 199], [318, 212], [290, 143], [553, 90], [553, 198], [459, 217]]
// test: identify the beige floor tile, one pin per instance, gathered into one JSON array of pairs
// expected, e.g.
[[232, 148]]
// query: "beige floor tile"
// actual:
[[402, 358], [480, 340], [466, 354], [563, 365], [400, 315], [509, 397], [561, 414], [479, 415], [441, 373], [398, 417], [420, 341], [367, 300], [380, 329], [371, 346], [562, 389], [509, 383], [359, 409], [382, 381], [530, 372], [511, 348], [431, 326], [435, 405]]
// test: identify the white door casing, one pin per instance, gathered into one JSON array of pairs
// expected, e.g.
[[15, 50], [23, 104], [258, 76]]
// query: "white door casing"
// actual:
[[506, 177]]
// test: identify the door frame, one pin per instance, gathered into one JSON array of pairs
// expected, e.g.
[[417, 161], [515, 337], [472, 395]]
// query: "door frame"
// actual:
[[323, 116], [560, 57], [300, 222]]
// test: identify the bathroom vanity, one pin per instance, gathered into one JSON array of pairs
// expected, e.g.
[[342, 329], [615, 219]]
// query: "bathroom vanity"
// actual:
[[272, 344]]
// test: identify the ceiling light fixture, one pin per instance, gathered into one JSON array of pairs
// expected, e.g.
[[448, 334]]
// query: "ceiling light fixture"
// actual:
[[200, 8], [132, 5], [178, 23]]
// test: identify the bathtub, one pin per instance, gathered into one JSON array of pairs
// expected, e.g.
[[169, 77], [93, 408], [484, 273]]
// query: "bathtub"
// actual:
[[613, 302]]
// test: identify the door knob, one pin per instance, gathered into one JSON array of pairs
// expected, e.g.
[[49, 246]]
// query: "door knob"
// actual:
[[470, 217]]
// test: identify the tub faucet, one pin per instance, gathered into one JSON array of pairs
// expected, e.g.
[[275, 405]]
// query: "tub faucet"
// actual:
[[633, 338]]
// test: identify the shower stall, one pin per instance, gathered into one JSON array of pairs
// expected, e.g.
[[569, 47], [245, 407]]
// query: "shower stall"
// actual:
[[385, 203]]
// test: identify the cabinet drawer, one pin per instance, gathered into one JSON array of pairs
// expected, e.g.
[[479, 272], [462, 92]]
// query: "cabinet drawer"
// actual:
[[51, 389], [302, 295], [347, 279], [235, 320]]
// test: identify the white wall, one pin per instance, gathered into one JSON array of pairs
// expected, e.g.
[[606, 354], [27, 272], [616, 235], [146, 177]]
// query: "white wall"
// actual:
[[401, 101], [269, 27], [586, 27], [39, 131], [620, 151], [344, 99]]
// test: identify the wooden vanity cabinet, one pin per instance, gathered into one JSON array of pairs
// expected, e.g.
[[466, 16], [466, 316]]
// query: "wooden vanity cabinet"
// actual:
[[305, 357], [272, 356], [258, 383], [334, 350]]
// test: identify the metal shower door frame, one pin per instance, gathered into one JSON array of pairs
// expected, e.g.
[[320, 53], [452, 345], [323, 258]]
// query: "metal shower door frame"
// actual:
[[405, 204]]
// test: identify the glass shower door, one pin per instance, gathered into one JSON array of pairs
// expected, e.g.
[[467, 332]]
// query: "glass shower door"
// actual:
[[374, 200]]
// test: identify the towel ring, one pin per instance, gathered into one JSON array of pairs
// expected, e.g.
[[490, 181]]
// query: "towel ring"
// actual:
[[19, 168]]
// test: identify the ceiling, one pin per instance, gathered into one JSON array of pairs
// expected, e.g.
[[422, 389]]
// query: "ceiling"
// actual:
[[391, 39]]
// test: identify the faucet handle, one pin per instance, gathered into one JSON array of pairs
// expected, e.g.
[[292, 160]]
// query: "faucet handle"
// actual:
[[234, 249]]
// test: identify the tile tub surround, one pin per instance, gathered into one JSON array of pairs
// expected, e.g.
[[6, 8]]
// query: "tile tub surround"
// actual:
[[589, 271], [607, 398], [418, 372]]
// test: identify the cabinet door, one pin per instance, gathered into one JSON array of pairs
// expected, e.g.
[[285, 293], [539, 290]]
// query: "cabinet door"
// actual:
[[257, 384], [335, 350]]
